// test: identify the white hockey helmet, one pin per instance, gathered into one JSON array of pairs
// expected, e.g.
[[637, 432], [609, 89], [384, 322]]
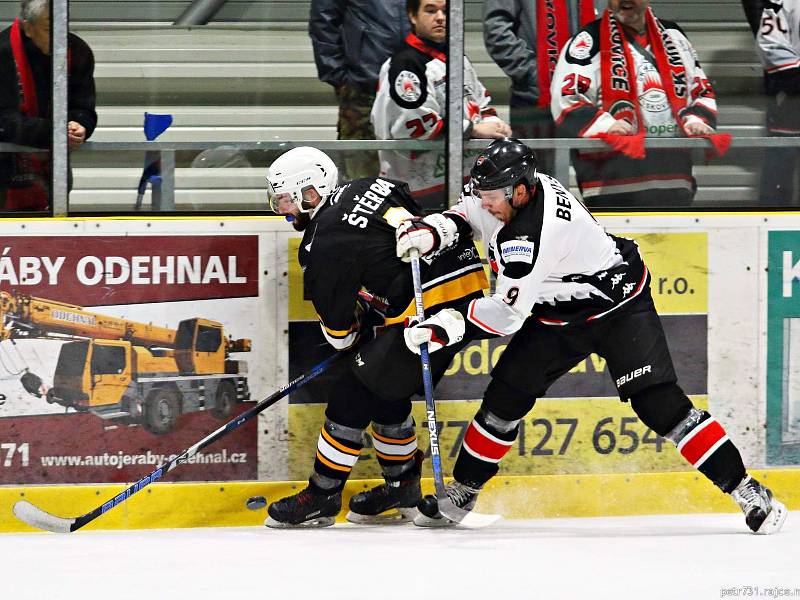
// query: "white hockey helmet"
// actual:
[[296, 171]]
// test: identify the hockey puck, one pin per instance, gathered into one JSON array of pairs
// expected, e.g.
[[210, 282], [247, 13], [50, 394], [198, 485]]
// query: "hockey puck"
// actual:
[[256, 502]]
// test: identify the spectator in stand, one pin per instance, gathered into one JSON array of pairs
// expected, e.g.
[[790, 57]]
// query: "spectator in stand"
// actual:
[[411, 103], [625, 76], [26, 105], [351, 40], [776, 26], [524, 38]]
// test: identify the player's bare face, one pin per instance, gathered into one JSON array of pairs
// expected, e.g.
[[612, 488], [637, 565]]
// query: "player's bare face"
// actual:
[[629, 12], [494, 201], [430, 21]]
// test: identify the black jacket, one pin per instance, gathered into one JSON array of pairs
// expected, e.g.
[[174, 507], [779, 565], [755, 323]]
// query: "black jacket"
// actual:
[[37, 131], [353, 38]]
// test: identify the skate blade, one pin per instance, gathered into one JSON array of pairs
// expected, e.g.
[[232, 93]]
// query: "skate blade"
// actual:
[[422, 520], [310, 524], [775, 519], [395, 516], [465, 518]]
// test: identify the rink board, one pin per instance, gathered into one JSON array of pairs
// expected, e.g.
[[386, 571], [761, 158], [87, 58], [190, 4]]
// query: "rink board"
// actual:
[[165, 505], [727, 285]]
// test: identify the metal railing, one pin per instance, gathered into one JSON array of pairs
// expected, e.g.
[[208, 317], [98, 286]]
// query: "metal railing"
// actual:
[[560, 146]]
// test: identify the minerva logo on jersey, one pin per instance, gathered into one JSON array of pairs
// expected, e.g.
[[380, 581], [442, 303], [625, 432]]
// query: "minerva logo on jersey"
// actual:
[[517, 251]]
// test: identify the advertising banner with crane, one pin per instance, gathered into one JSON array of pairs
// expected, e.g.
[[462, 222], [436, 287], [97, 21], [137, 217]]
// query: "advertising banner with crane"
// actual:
[[117, 351]]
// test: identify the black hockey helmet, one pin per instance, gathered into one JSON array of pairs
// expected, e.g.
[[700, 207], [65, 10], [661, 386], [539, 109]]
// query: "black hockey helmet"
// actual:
[[503, 164]]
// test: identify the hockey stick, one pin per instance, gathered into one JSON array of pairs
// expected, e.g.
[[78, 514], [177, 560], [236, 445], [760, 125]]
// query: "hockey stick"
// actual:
[[36, 517], [458, 515], [427, 384]]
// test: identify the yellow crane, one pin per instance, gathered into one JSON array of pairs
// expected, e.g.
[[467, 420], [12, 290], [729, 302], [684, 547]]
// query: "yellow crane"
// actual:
[[121, 369]]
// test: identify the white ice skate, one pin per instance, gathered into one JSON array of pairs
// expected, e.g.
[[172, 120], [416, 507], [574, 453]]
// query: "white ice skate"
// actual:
[[763, 513]]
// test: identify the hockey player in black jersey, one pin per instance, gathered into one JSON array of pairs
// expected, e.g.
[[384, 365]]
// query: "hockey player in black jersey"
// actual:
[[348, 253], [565, 289]]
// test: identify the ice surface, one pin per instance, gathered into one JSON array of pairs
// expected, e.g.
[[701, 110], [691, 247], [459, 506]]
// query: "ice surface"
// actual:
[[652, 557]]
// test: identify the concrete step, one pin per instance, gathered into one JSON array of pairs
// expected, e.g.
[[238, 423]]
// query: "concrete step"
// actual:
[[243, 188], [251, 123], [221, 116], [253, 199], [214, 64], [218, 134]]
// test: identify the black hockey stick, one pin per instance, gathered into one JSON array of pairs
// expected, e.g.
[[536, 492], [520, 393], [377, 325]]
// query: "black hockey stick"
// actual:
[[36, 517], [446, 506]]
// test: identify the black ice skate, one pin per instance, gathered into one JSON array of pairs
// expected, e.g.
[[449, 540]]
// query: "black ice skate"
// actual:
[[763, 513], [462, 496], [311, 507], [393, 502]]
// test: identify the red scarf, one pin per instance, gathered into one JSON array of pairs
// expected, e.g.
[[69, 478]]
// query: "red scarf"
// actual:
[[415, 42], [618, 84], [552, 33], [32, 170]]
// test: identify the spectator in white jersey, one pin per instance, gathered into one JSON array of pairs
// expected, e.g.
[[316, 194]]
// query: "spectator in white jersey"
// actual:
[[624, 77], [411, 103], [564, 289], [776, 26]]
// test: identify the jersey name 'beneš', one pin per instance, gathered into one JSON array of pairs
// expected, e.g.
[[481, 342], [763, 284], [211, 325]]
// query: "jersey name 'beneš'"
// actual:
[[552, 260]]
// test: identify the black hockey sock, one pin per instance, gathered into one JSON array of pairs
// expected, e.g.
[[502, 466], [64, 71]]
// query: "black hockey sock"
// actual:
[[486, 442], [338, 448], [702, 441], [395, 446]]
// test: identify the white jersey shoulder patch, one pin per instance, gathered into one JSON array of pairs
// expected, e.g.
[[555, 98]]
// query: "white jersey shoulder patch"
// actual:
[[581, 46], [407, 86], [517, 251]]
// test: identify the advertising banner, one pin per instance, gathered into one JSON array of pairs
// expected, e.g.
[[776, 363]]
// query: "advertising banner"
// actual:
[[783, 348], [580, 426], [119, 351]]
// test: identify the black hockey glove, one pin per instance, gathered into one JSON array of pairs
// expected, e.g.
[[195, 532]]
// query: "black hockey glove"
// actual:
[[369, 316]]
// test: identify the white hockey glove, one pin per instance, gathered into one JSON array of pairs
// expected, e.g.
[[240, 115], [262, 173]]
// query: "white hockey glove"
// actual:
[[425, 235], [442, 329]]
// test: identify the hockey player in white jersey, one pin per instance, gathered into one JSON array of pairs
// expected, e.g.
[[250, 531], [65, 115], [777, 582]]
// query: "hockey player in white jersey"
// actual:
[[565, 288], [411, 103]]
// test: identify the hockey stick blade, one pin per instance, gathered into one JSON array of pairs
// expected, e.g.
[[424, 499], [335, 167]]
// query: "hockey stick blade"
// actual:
[[465, 518], [36, 517]]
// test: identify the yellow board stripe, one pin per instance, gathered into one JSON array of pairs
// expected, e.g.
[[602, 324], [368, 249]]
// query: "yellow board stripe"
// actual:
[[448, 291], [338, 445], [221, 504]]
